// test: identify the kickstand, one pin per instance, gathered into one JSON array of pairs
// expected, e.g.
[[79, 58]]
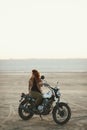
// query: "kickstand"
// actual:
[[41, 117]]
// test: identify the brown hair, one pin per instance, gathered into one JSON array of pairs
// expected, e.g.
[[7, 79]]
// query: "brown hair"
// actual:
[[36, 74]]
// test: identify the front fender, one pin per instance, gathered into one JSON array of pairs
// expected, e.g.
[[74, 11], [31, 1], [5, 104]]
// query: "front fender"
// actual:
[[59, 104]]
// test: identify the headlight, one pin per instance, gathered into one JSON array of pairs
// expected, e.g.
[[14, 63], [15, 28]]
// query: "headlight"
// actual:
[[58, 93]]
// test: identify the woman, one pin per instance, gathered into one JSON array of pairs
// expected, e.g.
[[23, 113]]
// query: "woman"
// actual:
[[35, 85]]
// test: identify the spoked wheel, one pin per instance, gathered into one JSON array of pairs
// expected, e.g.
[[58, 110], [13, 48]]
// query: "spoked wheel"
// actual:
[[61, 113], [23, 110]]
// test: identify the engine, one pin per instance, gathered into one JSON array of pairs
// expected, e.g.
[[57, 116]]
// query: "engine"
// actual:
[[45, 107]]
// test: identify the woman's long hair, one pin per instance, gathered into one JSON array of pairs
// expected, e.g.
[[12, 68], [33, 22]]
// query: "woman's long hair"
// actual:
[[36, 74]]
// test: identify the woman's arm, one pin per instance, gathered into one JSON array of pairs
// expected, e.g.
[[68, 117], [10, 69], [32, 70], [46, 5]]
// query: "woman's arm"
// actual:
[[30, 85], [40, 84]]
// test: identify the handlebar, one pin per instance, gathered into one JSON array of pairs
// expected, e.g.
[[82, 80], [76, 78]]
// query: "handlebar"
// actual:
[[46, 84], [51, 88]]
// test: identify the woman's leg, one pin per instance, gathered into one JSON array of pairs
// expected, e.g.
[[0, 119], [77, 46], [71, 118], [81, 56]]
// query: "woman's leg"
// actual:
[[37, 96]]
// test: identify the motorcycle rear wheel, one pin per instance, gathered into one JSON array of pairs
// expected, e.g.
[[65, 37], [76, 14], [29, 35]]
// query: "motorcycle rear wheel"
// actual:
[[23, 113], [61, 113]]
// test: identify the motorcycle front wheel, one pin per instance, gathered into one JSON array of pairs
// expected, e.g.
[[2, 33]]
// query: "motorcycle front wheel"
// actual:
[[61, 113], [23, 110]]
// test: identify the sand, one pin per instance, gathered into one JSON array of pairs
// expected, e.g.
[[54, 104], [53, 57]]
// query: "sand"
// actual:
[[73, 87]]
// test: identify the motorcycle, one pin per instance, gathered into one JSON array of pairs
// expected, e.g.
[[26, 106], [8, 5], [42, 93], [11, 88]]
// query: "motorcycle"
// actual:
[[61, 111]]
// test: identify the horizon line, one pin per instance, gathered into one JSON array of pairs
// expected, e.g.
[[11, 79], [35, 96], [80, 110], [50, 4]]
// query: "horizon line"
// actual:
[[42, 58]]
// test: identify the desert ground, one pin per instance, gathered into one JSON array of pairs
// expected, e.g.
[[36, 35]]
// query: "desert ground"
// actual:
[[73, 87]]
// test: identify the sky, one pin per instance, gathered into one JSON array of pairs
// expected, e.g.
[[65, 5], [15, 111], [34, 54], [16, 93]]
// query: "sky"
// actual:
[[43, 29]]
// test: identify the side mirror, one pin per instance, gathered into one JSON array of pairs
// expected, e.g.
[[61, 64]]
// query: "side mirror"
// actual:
[[42, 77]]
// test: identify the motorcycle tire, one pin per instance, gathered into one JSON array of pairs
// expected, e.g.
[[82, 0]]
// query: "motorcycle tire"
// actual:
[[21, 111], [61, 114]]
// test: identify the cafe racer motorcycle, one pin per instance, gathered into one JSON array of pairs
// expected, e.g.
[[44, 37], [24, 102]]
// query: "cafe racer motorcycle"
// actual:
[[51, 103]]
